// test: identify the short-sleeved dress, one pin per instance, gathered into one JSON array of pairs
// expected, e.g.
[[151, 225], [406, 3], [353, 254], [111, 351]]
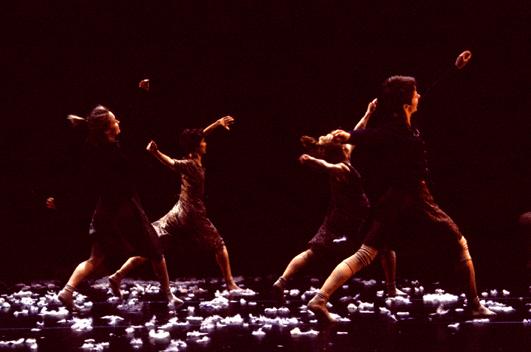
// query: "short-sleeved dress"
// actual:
[[189, 215], [347, 211], [119, 224]]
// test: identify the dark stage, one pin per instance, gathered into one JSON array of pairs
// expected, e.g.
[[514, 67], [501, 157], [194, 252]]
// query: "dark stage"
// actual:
[[282, 69], [429, 319]]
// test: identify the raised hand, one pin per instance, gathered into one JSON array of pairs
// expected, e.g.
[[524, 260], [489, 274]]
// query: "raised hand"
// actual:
[[50, 203], [226, 122], [152, 147], [371, 107], [463, 59], [144, 84]]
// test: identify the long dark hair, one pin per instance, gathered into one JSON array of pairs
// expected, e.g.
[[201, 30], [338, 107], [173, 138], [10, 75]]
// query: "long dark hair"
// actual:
[[395, 92]]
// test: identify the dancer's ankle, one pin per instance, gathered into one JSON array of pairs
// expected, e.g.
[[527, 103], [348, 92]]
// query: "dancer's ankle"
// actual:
[[318, 306], [320, 298], [117, 276], [474, 303], [65, 296], [114, 283], [281, 283], [231, 285], [68, 289]]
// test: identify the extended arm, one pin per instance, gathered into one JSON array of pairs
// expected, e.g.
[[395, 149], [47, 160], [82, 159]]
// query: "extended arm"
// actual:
[[163, 158], [344, 136], [362, 123], [224, 122], [309, 160]]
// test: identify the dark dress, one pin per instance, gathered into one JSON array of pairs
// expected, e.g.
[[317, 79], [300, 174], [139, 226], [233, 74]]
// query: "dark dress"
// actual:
[[347, 210], [189, 215], [119, 224], [403, 200]]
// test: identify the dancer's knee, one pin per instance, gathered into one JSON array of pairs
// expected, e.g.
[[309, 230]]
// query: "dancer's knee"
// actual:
[[362, 258]]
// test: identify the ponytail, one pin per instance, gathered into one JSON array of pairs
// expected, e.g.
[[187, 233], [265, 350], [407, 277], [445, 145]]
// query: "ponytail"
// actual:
[[76, 121], [94, 125]]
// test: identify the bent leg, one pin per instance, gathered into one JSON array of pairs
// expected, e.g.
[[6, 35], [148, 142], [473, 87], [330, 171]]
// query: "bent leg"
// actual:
[[466, 269], [295, 265], [116, 278], [343, 271], [81, 272]]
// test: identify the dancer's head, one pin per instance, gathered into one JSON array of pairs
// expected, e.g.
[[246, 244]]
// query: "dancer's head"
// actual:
[[103, 127], [325, 148], [398, 98], [192, 140]]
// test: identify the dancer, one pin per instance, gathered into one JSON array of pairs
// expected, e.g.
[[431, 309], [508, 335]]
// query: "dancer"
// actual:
[[347, 210], [189, 214], [119, 224], [406, 199]]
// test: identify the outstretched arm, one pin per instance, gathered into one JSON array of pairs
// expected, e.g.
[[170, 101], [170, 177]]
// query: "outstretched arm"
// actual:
[[163, 158], [363, 121], [341, 136], [309, 160], [225, 122]]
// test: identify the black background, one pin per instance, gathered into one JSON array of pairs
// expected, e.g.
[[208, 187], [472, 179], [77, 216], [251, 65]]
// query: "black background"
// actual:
[[282, 69]]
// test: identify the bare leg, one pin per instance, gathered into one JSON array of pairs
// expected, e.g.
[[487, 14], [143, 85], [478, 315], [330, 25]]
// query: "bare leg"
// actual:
[[222, 258], [294, 266], [116, 278], [161, 271], [344, 271], [466, 268], [297, 263], [81, 272], [388, 262]]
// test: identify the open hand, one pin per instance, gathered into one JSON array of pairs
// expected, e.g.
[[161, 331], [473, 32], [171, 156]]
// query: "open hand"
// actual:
[[226, 122]]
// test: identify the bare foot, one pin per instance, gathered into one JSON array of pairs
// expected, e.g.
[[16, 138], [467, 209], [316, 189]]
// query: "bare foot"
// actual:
[[481, 311], [66, 299], [396, 292], [114, 284], [318, 305], [172, 299], [232, 286]]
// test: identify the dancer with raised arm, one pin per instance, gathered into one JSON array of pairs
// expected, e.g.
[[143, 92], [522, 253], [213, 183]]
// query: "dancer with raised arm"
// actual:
[[119, 224], [189, 215], [406, 197], [347, 211]]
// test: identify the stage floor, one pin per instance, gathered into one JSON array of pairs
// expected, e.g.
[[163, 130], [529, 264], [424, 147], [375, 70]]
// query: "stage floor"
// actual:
[[429, 319]]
